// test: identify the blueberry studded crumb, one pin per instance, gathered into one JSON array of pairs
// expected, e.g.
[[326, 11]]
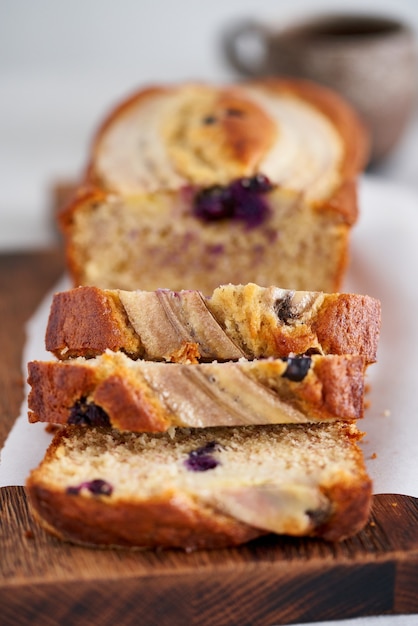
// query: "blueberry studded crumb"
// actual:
[[201, 463], [209, 120], [318, 516], [201, 459], [96, 487], [297, 367], [208, 448], [283, 308], [88, 414], [213, 204], [241, 200], [232, 112]]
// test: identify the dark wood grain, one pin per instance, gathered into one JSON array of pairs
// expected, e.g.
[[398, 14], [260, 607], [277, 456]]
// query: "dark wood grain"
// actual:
[[24, 279], [270, 581]]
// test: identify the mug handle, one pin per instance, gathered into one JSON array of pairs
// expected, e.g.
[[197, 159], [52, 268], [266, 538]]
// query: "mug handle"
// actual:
[[234, 39]]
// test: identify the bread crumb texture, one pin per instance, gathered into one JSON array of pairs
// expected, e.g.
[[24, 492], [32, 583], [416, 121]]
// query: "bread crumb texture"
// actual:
[[139, 466]]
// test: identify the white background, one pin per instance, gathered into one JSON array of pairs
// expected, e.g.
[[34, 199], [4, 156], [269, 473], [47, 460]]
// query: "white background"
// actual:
[[64, 63]]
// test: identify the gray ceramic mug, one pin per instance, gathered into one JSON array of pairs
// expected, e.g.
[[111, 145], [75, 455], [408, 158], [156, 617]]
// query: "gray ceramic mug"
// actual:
[[369, 59]]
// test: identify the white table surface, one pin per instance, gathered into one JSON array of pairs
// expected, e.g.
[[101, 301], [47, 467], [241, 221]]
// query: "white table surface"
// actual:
[[63, 64]]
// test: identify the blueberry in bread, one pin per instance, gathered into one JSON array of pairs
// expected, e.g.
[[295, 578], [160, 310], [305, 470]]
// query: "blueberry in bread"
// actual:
[[194, 185], [235, 321], [112, 389], [203, 488]]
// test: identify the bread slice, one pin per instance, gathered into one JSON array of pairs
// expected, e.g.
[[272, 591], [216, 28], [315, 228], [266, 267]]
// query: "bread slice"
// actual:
[[203, 488], [192, 185], [234, 321], [113, 389]]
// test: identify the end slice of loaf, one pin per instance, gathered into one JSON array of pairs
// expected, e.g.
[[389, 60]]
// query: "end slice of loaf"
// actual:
[[235, 321], [203, 488], [191, 184], [113, 389]]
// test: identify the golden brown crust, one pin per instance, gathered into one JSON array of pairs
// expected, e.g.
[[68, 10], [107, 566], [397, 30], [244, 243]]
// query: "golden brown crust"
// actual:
[[332, 389], [97, 322], [47, 380], [165, 522], [55, 391], [344, 203], [85, 193], [341, 318], [130, 406], [85, 197], [339, 388], [352, 130], [351, 510], [172, 523]]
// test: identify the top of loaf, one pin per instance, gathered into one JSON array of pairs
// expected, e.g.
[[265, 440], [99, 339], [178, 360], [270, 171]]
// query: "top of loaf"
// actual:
[[299, 135]]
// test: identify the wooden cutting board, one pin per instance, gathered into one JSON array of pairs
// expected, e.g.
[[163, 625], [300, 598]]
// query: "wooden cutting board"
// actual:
[[273, 580]]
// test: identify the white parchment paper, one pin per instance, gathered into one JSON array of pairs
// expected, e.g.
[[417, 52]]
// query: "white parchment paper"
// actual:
[[384, 251]]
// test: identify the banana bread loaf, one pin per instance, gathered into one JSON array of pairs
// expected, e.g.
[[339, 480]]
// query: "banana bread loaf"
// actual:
[[193, 185]]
